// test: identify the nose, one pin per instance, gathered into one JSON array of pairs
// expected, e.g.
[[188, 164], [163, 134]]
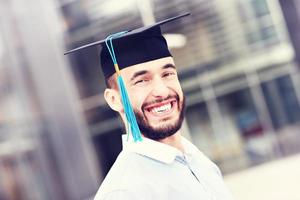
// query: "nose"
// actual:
[[160, 89]]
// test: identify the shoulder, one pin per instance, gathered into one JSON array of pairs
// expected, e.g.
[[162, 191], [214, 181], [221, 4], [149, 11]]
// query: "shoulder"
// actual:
[[210, 164], [201, 158], [125, 171]]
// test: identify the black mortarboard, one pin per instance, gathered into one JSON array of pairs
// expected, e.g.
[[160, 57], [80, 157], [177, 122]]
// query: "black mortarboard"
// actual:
[[134, 47], [127, 48]]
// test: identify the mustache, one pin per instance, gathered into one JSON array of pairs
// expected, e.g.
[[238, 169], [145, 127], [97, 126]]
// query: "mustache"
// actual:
[[175, 96]]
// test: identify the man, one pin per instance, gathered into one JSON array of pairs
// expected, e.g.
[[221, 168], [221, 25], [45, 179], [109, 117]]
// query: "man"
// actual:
[[163, 165]]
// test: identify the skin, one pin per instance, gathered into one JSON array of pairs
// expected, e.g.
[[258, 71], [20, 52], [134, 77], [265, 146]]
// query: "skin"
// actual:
[[149, 85]]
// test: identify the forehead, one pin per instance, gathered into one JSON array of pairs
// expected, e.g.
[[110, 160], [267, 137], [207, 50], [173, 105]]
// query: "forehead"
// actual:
[[150, 66]]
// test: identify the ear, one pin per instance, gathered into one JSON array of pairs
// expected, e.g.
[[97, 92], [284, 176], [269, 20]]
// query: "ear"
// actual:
[[113, 99]]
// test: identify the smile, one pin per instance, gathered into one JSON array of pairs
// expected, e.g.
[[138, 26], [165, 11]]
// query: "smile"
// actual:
[[161, 109]]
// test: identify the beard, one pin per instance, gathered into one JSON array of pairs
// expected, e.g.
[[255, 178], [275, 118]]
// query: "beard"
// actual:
[[163, 131]]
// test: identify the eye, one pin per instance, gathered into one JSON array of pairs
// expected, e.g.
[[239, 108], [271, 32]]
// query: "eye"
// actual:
[[140, 81], [167, 74]]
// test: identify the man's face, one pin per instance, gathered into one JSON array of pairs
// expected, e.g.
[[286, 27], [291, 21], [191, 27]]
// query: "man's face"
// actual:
[[156, 97]]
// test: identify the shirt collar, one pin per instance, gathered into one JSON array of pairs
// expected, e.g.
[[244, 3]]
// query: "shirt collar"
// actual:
[[157, 150]]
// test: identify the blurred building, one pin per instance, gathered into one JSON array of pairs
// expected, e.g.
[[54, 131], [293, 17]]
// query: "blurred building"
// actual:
[[45, 150], [237, 64]]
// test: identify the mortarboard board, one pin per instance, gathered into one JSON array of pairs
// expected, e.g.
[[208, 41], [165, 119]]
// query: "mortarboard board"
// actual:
[[129, 33], [127, 48]]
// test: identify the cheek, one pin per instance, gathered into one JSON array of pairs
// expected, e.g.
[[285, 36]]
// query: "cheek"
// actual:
[[180, 93], [137, 98], [175, 85]]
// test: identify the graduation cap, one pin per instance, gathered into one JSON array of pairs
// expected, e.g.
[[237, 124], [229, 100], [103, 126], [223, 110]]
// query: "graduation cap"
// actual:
[[127, 48]]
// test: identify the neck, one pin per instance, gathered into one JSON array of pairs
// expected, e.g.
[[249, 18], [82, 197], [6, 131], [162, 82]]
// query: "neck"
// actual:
[[174, 141]]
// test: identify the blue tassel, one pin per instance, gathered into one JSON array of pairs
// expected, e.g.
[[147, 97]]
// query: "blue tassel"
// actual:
[[131, 119], [132, 126]]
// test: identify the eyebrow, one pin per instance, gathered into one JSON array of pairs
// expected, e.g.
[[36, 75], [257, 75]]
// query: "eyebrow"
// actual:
[[139, 73], [142, 72], [169, 65]]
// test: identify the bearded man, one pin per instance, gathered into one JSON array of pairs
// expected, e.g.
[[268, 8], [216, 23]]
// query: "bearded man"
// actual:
[[161, 164]]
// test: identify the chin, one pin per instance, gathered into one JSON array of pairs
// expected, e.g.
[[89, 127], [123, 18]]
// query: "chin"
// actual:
[[163, 125]]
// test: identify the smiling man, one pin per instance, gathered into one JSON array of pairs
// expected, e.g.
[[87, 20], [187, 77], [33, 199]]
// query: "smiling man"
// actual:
[[159, 103], [162, 165]]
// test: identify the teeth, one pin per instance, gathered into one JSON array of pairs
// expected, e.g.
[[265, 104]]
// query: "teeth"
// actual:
[[161, 109]]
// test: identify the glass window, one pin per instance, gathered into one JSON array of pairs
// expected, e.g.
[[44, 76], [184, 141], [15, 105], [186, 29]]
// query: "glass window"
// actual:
[[289, 98], [200, 128], [282, 101], [260, 7]]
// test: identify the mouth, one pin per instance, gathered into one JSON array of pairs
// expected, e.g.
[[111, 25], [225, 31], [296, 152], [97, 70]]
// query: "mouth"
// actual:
[[162, 109]]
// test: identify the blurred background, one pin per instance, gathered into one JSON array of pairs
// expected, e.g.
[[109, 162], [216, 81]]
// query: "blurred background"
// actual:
[[238, 62]]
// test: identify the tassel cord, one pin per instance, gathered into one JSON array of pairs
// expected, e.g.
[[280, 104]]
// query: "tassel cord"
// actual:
[[132, 126]]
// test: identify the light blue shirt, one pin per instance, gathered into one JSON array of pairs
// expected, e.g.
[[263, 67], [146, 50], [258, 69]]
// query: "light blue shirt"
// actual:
[[151, 170]]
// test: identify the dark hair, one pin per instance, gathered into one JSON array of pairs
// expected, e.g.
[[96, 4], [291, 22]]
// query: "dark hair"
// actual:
[[111, 82]]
